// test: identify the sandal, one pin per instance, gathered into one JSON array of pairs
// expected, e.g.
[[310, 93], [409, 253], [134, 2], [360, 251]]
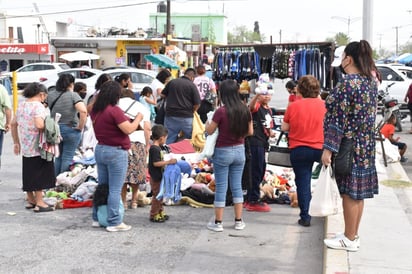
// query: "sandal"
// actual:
[[30, 205], [157, 218], [39, 209]]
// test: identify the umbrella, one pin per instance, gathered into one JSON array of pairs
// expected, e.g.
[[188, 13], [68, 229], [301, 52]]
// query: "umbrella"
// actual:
[[162, 60], [79, 56]]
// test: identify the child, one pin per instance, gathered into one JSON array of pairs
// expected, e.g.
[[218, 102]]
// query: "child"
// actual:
[[146, 98], [388, 130], [259, 143], [156, 167]]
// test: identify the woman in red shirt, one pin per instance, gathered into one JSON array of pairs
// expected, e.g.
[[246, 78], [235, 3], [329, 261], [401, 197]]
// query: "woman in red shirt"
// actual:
[[304, 121]]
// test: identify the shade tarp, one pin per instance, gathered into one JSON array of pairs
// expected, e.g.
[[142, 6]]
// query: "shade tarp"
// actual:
[[162, 61], [79, 56]]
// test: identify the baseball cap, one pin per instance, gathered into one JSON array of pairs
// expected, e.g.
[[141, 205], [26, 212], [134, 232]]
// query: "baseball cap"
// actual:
[[338, 56]]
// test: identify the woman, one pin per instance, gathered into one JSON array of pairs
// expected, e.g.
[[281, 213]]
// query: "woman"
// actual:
[[103, 78], [229, 155], [140, 144], [158, 84], [27, 124], [124, 80], [73, 117], [205, 86], [112, 128], [304, 121], [351, 113]]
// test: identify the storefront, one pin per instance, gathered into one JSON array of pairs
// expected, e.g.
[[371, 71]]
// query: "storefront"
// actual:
[[13, 56]]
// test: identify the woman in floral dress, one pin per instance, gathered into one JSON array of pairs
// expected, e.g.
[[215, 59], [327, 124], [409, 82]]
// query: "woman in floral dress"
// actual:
[[351, 112]]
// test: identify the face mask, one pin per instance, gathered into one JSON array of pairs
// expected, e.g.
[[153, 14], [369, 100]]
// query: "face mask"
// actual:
[[82, 95], [341, 69]]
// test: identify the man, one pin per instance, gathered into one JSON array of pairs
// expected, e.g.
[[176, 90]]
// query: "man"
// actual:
[[5, 115], [182, 100]]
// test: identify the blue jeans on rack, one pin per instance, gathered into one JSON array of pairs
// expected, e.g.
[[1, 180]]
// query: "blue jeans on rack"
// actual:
[[111, 169]]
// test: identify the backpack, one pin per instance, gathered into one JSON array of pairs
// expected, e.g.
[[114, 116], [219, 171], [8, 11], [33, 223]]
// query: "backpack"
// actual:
[[51, 131]]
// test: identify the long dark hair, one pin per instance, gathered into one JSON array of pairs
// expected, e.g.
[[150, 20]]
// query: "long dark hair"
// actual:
[[109, 94], [237, 112], [163, 75], [361, 52], [101, 80], [64, 81]]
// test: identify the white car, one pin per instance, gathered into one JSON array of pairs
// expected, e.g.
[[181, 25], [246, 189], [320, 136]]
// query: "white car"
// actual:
[[86, 75], [400, 76], [36, 72], [139, 77]]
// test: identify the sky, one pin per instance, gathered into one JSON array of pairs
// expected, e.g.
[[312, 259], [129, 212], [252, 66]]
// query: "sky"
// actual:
[[284, 21]]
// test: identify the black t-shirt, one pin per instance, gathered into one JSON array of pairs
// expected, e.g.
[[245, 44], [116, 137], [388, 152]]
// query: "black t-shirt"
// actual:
[[262, 123], [181, 95], [155, 155]]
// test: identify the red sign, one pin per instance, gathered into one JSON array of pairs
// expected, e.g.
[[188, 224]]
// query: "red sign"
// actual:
[[24, 48]]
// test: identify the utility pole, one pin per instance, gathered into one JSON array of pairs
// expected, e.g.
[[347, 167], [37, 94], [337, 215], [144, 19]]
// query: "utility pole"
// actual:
[[380, 41], [167, 21], [397, 44], [280, 36], [347, 20]]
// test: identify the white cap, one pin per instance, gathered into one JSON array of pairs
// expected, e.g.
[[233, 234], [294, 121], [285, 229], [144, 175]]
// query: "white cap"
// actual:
[[338, 56]]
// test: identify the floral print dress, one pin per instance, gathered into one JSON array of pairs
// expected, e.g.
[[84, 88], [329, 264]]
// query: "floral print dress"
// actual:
[[351, 112]]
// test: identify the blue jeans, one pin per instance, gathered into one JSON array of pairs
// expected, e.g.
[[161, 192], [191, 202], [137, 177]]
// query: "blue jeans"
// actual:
[[228, 163], [258, 169], [176, 124], [302, 159], [71, 140], [111, 169]]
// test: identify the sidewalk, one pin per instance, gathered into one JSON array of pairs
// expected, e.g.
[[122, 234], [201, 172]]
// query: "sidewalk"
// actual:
[[386, 226]]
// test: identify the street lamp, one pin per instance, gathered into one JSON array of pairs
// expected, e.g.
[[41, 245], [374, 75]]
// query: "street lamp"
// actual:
[[348, 20]]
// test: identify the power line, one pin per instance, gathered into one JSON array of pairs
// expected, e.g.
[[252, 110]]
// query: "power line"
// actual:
[[78, 10]]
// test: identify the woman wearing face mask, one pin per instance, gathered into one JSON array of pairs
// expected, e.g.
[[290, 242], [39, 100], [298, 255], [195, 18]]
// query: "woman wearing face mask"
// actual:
[[351, 113], [81, 89]]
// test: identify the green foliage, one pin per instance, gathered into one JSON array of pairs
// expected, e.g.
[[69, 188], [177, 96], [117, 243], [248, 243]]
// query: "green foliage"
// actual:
[[241, 35]]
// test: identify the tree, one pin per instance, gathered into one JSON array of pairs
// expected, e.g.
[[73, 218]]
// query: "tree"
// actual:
[[241, 35], [340, 39]]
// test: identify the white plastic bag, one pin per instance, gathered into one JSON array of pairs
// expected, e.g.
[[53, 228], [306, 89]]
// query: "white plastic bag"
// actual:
[[326, 198], [210, 143]]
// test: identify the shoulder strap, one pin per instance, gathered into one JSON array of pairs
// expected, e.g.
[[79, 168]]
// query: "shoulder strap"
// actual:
[[134, 101], [52, 105]]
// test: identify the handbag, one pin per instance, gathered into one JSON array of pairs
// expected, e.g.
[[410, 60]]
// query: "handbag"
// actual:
[[343, 160], [210, 97], [198, 132], [326, 198], [279, 156]]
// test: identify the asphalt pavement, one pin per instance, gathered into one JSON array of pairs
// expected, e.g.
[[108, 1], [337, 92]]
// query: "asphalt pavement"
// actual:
[[64, 241]]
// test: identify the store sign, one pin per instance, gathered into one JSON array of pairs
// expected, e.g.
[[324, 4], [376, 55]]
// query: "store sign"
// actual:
[[24, 48]]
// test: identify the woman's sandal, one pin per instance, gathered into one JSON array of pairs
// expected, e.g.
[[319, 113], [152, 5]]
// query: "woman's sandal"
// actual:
[[39, 209], [30, 205]]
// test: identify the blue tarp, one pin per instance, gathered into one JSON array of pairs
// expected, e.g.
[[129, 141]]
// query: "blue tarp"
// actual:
[[406, 59]]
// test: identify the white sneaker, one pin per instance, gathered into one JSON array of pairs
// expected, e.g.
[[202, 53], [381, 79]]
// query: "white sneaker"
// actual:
[[357, 239], [239, 225], [341, 242], [121, 227], [215, 227], [95, 224]]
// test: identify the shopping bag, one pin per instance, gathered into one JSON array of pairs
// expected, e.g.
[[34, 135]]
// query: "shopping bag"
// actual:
[[278, 155], [326, 198], [198, 133]]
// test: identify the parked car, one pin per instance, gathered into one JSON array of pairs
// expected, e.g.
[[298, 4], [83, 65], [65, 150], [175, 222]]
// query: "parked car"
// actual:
[[36, 72], [117, 67], [139, 77], [400, 75], [86, 75]]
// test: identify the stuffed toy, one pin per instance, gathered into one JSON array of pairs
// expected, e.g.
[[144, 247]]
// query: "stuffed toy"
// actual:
[[142, 199]]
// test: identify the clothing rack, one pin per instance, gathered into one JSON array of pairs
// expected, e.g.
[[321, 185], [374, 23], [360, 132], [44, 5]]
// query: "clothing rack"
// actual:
[[277, 59]]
